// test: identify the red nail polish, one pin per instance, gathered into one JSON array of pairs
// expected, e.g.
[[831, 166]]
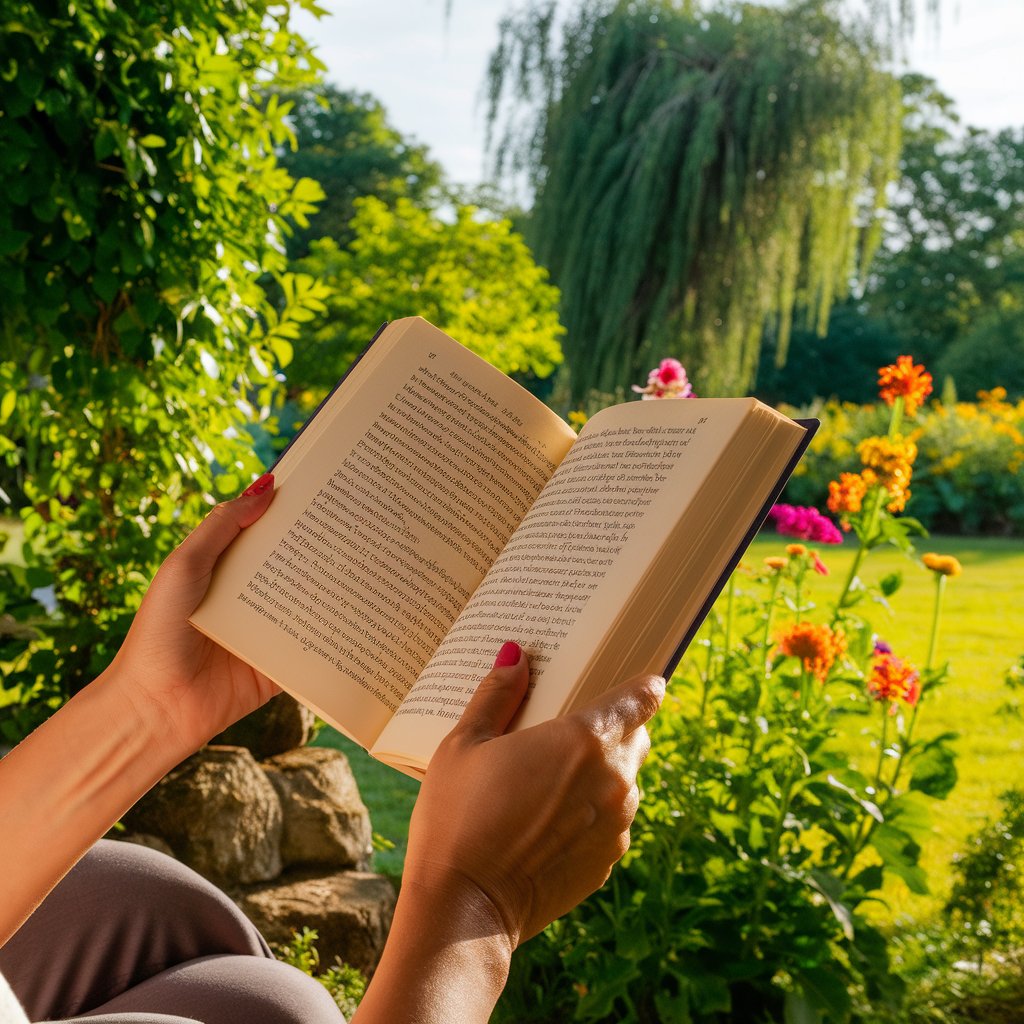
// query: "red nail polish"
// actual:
[[264, 483], [509, 654]]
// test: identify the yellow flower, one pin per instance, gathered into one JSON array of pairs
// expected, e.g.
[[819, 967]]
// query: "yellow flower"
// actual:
[[889, 463], [944, 565]]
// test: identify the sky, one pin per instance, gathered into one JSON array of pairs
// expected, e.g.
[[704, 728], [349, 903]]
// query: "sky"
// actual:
[[428, 68]]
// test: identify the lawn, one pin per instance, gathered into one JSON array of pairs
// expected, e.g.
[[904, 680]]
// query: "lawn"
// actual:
[[982, 634]]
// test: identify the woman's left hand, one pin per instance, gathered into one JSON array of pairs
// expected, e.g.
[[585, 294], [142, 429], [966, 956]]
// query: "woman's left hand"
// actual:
[[166, 668]]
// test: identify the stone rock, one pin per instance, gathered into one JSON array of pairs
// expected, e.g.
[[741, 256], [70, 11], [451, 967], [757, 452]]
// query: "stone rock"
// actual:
[[325, 820], [350, 910], [219, 814], [279, 725]]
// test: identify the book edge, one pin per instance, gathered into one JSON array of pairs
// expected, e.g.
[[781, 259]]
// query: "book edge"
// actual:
[[810, 429]]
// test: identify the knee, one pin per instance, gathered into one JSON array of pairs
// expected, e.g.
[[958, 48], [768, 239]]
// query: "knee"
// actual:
[[240, 989]]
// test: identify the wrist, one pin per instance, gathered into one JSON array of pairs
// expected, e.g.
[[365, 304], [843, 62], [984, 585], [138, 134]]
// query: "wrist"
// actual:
[[148, 718], [446, 960]]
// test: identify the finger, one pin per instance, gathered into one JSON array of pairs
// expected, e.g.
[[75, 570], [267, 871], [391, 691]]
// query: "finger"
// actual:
[[207, 542], [625, 708], [498, 696]]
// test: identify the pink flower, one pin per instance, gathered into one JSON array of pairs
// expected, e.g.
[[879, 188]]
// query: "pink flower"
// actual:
[[806, 523], [667, 380], [819, 566]]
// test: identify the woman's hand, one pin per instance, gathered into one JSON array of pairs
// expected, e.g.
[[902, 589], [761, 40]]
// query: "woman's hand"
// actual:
[[531, 822], [510, 831], [166, 668]]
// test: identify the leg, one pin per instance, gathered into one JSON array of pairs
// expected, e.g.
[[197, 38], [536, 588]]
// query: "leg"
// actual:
[[123, 915], [223, 990]]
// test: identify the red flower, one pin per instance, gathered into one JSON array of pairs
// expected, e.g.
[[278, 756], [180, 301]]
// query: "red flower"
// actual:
[[893, 679]]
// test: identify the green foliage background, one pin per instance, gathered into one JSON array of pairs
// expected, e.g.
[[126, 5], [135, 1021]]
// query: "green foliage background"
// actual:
[[143, 210]]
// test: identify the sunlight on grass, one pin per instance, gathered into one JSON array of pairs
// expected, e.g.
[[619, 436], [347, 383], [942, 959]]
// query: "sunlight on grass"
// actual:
[[981, 635]]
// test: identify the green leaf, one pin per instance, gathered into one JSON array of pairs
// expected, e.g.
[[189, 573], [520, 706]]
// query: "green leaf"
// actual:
[[900, 853], [152, 141], [934, 772], [826, 989], [890, 583], [12, 241], [106, 285], [7, 405]]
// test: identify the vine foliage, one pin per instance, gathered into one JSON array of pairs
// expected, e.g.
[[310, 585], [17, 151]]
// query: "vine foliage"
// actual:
[[142, 211]]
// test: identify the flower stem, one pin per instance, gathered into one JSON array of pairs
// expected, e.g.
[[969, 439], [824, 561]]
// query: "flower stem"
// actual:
[[776, 579], [896, 419], [865, 538], [940, 586]]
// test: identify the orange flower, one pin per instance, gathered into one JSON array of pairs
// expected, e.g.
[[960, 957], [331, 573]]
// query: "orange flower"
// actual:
[[796, 550], [817, 647], [944, 565], [904, 379], [776, 563], [893, 679], [846, 495]]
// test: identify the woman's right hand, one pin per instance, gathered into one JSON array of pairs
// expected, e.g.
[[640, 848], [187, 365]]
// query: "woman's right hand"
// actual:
[[510, 831], [526, 824]]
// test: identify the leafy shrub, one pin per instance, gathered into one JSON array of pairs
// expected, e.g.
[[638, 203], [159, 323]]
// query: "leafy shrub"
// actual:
[[967, 477], [143, 212], [345, 983]]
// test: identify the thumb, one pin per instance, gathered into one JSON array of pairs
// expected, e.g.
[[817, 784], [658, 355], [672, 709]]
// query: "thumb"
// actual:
[[199, 551], [498, 696]]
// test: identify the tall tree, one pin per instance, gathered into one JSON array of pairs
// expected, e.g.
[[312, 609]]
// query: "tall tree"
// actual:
[[697, 175], [343, 141], [953, 250], [472, 276], [142, 208]]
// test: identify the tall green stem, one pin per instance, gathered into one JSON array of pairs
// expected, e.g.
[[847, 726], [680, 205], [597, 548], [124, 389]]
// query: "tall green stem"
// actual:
[[866, 825], [940, 587], [776, 579], [730, 601]]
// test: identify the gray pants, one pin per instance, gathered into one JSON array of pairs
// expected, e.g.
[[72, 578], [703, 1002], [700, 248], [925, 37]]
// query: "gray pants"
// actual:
[[131, 936]]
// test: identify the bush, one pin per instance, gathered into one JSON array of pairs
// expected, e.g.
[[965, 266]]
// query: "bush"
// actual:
[[345, 983], [967, 477]]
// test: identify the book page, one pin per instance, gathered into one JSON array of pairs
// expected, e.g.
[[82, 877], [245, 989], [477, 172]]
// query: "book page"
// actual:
[[561, 581], [386, 517]]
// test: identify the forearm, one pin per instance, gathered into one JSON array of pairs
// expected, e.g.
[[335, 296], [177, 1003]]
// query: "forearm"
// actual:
[[446, 962], [65, 785]]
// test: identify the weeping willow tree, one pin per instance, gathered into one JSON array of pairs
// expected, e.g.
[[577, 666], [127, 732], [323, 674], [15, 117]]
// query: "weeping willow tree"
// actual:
[[699, 175]]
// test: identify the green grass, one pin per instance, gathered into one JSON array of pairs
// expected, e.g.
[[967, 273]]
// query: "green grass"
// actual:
[[981, 635]]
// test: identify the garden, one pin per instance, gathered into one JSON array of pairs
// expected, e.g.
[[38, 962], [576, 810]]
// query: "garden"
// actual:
[[199, 234]]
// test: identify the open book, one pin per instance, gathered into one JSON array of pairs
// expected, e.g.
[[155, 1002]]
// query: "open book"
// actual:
[[433, 509]]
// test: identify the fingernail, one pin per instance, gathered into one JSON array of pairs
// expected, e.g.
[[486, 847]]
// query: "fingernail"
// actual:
[[264, 483], [509, 654]]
